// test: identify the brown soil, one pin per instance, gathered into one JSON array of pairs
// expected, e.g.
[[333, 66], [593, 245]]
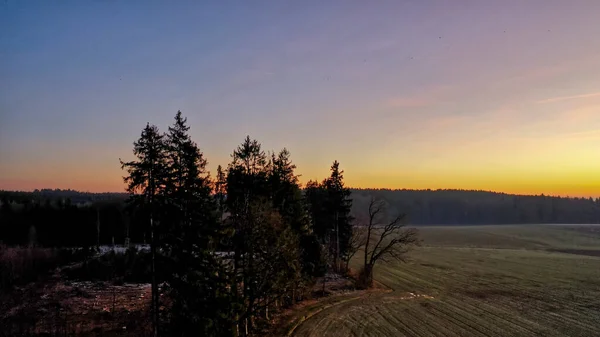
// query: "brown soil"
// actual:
[[60, 307]]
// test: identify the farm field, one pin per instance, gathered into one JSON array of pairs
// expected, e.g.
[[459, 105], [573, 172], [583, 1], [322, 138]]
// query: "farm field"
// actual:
[[526, 280]]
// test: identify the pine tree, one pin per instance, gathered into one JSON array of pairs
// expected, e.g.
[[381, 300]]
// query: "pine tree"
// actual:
[[338, 206], [246, 175], [315, 196], [287, 198], [145, 181], [197, 278], [286, 194], [246, 184], [188, 190], [221, 190]]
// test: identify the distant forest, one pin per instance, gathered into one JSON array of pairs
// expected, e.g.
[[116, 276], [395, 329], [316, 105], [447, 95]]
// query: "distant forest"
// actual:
[[463, 207], [72, 218]]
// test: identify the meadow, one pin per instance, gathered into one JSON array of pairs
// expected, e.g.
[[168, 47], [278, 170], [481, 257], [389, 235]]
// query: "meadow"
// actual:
[[522, 280]]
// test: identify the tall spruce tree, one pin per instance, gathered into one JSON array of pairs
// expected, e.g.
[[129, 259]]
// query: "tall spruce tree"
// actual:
[[338, 208], [246, 185], [188, 188], [145, 182], [201, 302], [287, 198], [221, 191], [315, 195]]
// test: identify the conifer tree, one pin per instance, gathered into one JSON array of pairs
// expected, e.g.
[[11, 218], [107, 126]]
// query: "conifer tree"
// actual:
[[338, 207], [246, 185], [145, 181], [201, 302], [221, 190], [287, 198], [315, 195]]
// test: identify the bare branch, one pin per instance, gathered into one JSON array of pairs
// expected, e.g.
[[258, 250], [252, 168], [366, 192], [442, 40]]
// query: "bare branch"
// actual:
[[393, 239], [357, 240]]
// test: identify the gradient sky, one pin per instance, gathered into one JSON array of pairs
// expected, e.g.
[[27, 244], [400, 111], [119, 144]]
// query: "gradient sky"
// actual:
[[495, 95]]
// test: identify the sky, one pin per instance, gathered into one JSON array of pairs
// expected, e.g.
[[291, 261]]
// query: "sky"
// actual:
[[492, 95]]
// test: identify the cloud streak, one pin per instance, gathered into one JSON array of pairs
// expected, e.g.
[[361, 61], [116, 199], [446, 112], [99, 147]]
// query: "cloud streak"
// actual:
[[565, 98]]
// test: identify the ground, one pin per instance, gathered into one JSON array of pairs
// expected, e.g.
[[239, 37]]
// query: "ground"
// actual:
[[60, 307], [476, 281], [463, 281]]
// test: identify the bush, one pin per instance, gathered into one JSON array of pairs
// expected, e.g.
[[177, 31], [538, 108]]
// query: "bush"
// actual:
[[131, 266]]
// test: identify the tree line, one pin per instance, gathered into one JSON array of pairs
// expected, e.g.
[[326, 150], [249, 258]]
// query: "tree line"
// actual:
[[58, 218], [462, 207]]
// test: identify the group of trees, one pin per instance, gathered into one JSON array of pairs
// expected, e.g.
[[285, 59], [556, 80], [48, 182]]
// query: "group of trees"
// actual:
[[238, 246]]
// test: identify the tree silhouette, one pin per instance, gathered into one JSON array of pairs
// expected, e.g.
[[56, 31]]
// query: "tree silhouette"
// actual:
[[145, 181], [384, 240]]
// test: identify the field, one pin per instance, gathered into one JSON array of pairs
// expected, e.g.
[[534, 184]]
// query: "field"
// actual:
[[528, 280]]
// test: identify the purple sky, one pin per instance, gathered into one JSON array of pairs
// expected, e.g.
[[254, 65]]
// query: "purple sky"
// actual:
[[501, 95]]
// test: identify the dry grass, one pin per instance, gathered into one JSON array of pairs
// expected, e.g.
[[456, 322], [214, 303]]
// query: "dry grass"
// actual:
[[21, 265]]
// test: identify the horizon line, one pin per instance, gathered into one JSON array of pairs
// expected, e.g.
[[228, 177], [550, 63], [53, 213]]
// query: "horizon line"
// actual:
[[352, 188]]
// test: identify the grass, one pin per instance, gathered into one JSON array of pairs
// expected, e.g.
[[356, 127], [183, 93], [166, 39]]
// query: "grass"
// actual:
[[480, 281]]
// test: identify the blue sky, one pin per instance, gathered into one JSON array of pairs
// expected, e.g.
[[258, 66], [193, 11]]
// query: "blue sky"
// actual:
[[417, 94]]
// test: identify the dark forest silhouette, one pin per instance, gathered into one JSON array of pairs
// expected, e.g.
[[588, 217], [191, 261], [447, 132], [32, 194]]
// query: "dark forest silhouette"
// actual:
[[57, 215]]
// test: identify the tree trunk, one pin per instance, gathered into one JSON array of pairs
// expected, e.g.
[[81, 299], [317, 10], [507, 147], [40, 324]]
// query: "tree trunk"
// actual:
[[98, 227], [369, 275], [154, 283], [367, 245], [337, 243]]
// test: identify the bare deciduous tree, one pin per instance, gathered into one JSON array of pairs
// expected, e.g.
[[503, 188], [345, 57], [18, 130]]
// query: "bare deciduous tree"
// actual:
[[357, 240], [385, 240]]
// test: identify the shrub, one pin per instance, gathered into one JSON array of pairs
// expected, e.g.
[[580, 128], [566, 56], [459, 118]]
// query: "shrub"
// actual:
[[20, 265], [131, 266]]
